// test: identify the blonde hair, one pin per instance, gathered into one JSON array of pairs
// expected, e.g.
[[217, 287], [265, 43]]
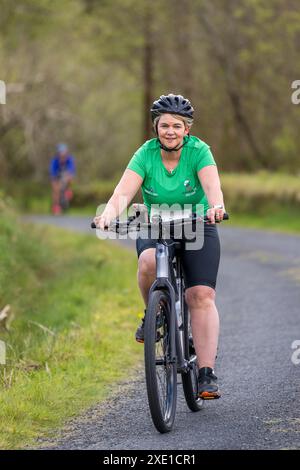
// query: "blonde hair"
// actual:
[[188, 122]]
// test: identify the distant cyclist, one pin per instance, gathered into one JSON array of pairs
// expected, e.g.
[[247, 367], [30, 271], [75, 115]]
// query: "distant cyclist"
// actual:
[[62, 172]]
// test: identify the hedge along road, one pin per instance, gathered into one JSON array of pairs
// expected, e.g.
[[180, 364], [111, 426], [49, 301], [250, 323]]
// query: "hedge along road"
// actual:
[[258, 366]]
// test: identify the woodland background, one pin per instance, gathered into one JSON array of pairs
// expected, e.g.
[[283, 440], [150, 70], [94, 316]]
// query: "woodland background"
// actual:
[[85, 72]]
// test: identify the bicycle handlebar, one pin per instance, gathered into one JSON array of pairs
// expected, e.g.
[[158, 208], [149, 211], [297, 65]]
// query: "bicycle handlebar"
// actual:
[[117, 225]]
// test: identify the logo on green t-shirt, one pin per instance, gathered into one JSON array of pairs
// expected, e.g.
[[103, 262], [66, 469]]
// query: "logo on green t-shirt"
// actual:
[[189, 190]]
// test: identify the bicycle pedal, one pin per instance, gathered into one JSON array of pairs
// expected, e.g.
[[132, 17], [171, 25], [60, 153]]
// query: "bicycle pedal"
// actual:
[[210, 395]]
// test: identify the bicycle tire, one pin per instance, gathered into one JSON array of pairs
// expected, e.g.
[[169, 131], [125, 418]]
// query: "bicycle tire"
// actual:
[[64, 203], [190, 378], [162, 403]]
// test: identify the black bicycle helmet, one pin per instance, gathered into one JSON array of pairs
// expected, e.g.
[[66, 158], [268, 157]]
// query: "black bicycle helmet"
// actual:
[[172, 104]]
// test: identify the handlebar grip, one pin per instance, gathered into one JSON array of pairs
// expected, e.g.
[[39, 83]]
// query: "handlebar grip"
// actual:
[[93, 225], [225, 217]]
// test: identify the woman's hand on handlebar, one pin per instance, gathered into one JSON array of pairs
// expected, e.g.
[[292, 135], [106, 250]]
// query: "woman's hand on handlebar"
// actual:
[[103, 221], [215, 214]]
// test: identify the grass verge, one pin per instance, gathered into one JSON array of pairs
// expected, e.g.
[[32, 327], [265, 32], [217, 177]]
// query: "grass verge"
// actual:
[[75, 304], [282, 220]]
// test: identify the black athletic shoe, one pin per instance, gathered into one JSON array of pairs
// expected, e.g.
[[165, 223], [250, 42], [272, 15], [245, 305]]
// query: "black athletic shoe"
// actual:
[[139, 334], [208, 387]]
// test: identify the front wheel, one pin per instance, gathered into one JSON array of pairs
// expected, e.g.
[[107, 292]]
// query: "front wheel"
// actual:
[[190, 378], [161, 372], [64, 202]]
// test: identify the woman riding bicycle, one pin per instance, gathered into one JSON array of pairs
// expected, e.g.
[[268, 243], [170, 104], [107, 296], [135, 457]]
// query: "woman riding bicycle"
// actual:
[[177, 168]]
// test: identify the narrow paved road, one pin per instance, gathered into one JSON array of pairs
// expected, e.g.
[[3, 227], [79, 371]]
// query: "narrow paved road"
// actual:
[[258, 297]]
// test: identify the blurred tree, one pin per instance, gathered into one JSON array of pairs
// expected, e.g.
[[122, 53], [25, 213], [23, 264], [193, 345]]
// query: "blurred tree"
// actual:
[[87, 71], [149, 18]]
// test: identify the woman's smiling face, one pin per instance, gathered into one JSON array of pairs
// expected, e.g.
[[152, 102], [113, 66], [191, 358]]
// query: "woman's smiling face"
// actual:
[[171, 130]]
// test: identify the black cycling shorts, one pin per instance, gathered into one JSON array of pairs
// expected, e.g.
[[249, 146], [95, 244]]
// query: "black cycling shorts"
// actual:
[[200, 267]]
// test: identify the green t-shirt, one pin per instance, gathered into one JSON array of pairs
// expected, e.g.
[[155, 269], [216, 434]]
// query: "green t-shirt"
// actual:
[[182, 186]]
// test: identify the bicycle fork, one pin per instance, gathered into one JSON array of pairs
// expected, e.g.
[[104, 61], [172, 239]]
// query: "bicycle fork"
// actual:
[[163, 276]]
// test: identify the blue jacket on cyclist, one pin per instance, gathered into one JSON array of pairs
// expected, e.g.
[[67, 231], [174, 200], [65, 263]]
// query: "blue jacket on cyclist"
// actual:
[[62, 162]]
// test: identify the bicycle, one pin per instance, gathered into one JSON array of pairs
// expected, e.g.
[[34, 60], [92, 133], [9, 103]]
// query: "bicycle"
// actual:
[[168, 346], [65, 194]]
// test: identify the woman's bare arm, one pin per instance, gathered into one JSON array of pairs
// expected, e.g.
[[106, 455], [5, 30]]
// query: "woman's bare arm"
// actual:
[[210, 182], [123, 194]]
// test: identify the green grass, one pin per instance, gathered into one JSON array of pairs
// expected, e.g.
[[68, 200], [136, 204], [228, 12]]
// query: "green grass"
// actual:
[[283, 219], [261, 188], [268, 201], [76, 304]]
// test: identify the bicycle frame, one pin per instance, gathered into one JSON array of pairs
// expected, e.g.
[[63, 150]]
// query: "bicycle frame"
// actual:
[[164, 278]]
